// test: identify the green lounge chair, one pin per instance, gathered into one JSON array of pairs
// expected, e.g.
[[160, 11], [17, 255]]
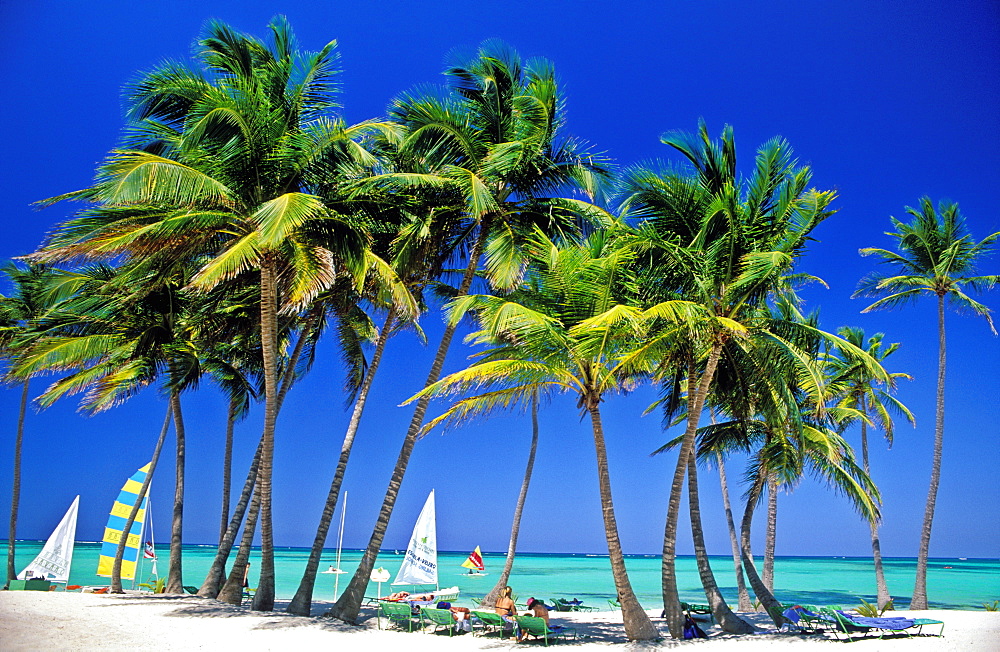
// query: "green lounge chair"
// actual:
[[615, 605], [694, 609], [490, 621], [536, 627], [438, 618], [396, 612], [849, 625], [560, 603]]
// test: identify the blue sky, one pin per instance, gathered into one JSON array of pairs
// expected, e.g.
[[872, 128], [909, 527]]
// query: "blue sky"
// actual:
[[887, 102]]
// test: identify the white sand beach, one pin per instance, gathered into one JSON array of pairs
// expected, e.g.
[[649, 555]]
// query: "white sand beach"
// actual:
[[74, 621]]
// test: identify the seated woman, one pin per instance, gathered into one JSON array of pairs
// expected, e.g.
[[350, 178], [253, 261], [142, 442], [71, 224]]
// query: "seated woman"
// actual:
[[505, 604]]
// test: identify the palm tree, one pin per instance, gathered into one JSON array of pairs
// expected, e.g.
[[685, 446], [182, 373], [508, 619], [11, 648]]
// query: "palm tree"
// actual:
[[490, 152], [25, 304], [515, 528], [872, 399], [938, 256], [113, 343], [727, 245], [562, 332], [222, 162]]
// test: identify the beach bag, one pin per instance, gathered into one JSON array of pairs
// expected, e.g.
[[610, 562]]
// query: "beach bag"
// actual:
[[691, 629]]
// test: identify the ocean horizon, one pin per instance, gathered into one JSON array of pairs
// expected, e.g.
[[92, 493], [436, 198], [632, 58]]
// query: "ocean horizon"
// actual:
[[953, 582]]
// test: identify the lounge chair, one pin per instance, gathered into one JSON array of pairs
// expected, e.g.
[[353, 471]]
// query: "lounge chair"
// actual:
[[533, 626], [397, 612], [438, 618], [560, 605], [694, 610], [848, 624], [491, 621], [193, 590], [573, 606], [615, 605], [806, 616]]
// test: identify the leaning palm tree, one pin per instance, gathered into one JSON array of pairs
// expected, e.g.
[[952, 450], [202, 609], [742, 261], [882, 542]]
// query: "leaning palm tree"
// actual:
[[936, 256], [489, 150], [18, 310], [515, 527], [221, 161], [563, 332], [112, 343], [727, 244], [860, 391]]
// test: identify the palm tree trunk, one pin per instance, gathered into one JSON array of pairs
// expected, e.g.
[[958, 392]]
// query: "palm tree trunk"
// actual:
[[491, 598], [638, 626], [232, 590], [728, 621], [741, 588], [671, 599], [881, 587], [301, 603], [919, 600], [767, 600], [175, 582], [264, 597], [349, 603], [227, 470], [772, 530], [216, 573], [215, 578], [15, 494], [116, 567]]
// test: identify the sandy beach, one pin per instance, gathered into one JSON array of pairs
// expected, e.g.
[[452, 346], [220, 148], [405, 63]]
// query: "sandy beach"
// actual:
[[73, 621]]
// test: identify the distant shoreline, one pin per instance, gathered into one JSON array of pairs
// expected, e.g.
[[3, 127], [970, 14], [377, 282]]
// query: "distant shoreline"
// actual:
[[503, 553]]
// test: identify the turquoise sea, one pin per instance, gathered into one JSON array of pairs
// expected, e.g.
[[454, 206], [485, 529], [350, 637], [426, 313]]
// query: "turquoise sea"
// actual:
[[952, 583]]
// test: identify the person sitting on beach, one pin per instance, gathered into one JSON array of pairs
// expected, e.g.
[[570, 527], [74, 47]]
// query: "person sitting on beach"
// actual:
[[505, 604], [538, 609]]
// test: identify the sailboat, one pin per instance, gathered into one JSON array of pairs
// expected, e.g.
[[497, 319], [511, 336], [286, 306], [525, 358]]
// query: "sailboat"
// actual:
[[340, 544], [56, 557], [475, 564], [116, 523], [420, 563]]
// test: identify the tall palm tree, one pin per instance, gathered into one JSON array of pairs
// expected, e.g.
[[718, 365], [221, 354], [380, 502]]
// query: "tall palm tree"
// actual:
[[937, 256], [873, 400], [18, 310], [563, 332], [727, 244], [492, 149], [222, 161]]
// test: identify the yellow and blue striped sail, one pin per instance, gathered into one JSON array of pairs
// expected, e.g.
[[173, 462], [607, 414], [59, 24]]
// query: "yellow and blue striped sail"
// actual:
[[116, 523]]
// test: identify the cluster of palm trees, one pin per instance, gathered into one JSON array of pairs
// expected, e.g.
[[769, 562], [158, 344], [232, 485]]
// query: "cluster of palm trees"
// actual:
[[241, 219]]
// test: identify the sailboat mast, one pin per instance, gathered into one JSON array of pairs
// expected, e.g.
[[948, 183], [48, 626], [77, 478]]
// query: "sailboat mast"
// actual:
[[340, 544]]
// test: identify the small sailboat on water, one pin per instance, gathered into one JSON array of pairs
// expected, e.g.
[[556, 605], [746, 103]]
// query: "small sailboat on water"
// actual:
[[420, 563], [113, 531], [56, 557], [475, 564]]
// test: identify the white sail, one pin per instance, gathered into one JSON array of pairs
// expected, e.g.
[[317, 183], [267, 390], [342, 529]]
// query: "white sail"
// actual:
[[54, 560], [420, 563]]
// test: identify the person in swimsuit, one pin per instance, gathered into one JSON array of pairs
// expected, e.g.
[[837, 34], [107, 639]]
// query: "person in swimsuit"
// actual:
[[505, 604]]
